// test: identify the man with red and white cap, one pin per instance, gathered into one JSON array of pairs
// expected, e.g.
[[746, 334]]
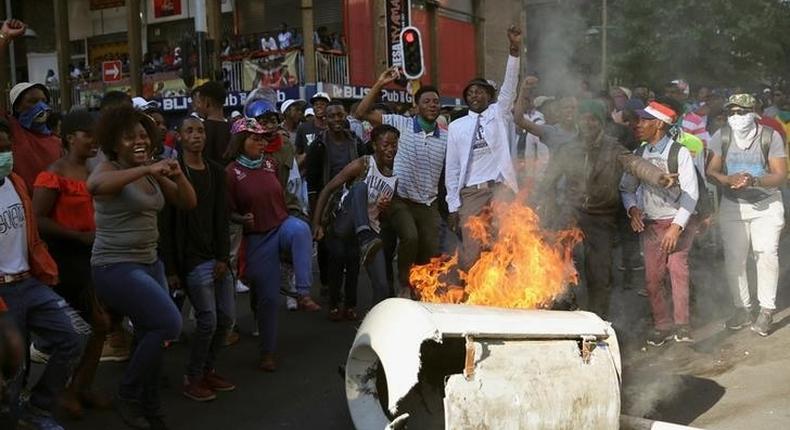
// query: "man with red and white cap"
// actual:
[[663, 218]]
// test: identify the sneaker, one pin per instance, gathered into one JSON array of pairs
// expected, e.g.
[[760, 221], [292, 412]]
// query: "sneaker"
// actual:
[[291, 304], [255, 332], [217, 383], [763, 324], [642, 292], [131, 412], [195, 389], [368, 250], [306, 303], [232, 338], [38, 356], [267, 363], [335, 315], [34, 418], [638, 267], [241, 287], [114, 353], [683, 334], [658, 337], [742, 318]]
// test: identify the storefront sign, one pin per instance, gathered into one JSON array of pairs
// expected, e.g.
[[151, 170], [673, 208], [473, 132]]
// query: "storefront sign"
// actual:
[[106, 4], [234, 100], [398, 16], [357, 93]]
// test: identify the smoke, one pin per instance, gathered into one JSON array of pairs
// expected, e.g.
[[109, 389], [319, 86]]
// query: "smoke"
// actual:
[[557, 45]]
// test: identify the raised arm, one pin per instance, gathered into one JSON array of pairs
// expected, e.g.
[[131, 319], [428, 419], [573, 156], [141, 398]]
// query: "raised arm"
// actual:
[[11, 29], [519, 116], [351, 171], [507, 93], [365, 109]]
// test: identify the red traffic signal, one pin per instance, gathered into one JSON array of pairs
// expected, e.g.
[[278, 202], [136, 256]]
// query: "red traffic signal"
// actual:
[[411, 44]]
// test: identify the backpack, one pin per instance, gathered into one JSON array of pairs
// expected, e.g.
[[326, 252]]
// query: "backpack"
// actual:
[[705, 205], [766, 136]]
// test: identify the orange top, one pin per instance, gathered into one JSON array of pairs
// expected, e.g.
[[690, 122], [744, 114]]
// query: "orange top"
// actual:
[[74, 206]]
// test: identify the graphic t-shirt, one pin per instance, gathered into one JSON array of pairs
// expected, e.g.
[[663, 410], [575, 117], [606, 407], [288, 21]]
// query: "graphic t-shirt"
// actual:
[[483, 164], [13, 236]]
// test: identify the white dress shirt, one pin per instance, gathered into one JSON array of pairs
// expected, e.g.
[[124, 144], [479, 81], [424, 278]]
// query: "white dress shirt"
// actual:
[[497, 123]]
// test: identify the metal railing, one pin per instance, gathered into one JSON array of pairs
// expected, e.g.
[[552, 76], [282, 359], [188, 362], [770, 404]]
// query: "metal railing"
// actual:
[[331, 67]]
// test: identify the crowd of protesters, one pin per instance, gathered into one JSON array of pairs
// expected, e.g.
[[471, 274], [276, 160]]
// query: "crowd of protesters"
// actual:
[[118, 213]]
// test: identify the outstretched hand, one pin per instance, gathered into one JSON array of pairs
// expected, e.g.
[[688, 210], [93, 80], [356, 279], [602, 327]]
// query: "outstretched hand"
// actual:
[[514, 36]]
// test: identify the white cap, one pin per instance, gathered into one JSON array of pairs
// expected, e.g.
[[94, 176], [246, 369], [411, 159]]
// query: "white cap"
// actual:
[[21, 87], [308, 112], [143, 105], [286, 104], [320, 95], [235, 114]]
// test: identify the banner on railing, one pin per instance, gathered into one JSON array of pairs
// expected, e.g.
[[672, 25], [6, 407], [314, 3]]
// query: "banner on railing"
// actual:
[[357, 93], [234, 100], [274, 71]]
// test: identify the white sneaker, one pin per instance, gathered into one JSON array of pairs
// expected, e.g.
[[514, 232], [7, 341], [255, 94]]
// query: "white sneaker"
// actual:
[[291, 304], [241, 288], [255, 333], [37, 356]]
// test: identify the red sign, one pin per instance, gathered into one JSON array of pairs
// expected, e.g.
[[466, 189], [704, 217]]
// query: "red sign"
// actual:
[[111, 71]]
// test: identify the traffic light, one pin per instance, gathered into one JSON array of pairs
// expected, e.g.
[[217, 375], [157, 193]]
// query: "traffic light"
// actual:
[[411, 43]]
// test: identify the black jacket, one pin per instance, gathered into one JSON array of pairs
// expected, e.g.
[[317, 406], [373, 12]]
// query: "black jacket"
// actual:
[[174, 233]]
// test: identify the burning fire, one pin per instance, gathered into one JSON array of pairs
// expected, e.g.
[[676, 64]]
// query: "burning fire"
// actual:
[[523, 267]]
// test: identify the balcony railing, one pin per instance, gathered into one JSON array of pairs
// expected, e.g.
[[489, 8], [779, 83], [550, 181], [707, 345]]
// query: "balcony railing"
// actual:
[[331, 67]]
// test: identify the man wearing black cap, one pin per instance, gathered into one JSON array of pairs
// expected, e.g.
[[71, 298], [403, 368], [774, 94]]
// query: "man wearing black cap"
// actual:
[[308, 130], [478, 165]]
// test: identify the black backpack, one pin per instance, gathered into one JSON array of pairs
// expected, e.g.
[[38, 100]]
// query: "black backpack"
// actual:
[[705, 205]]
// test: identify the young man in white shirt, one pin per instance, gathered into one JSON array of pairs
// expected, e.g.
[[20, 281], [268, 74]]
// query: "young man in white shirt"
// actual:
[[478, 164], [663, 218]]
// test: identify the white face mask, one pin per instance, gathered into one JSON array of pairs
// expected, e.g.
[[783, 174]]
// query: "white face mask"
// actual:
[[742, 123]]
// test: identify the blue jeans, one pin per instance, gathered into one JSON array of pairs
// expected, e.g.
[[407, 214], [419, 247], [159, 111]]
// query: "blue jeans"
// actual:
[[36, 307], [352, 220], [215, 307], [139, 291], [292, 237]]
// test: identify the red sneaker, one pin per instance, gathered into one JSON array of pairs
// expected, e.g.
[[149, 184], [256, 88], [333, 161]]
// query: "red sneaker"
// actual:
[[217, 383], [195, 389]]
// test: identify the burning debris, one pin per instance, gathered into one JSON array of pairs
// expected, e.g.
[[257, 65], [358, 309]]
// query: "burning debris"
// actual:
[[522, 265]]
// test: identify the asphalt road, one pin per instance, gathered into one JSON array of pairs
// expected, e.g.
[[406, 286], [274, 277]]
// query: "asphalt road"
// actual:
[[724, 381]]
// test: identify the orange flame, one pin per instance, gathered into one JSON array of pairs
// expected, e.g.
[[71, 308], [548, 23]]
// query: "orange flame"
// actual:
[[522, 267]]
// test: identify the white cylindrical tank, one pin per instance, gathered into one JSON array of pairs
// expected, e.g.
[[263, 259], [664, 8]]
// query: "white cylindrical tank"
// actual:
[[459, 366]]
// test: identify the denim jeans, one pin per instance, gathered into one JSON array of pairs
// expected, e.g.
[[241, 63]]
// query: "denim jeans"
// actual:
[[214, 302], [353, 219], [139, 291], [264, 251], [35, 307]]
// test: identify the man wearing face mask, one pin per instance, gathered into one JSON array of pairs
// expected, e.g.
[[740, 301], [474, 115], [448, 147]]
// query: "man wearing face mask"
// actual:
[[749, 162], [35, 147], [478, 164]]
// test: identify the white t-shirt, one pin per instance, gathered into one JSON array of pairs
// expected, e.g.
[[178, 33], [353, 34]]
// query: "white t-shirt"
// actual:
[[13, 233], [483, 165], [284, 39]]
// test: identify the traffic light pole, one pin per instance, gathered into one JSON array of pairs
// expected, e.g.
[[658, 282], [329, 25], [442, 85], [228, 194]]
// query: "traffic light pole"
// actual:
[[135, 24], [64, 52]]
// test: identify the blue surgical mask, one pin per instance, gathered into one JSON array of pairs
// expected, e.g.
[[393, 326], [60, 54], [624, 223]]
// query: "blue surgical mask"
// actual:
[[35, 118], [249, 163], [6, 163]]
